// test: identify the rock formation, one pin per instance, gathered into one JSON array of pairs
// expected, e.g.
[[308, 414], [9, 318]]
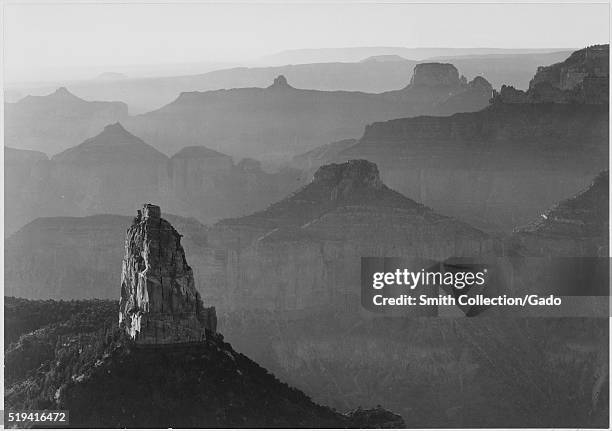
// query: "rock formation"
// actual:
[[303, 253], [280, 82], [159, 302], [582, 78], [435, 75]]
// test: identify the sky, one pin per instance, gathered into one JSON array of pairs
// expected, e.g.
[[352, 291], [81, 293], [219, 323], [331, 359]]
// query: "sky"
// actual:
[[44, 40]]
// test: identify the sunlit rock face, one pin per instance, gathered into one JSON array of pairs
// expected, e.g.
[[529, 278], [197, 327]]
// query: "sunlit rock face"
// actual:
[[159, 302]]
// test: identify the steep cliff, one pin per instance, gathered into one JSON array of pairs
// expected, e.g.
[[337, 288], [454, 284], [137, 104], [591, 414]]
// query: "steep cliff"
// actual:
[[57, 121], [159, 302], [582, 78]]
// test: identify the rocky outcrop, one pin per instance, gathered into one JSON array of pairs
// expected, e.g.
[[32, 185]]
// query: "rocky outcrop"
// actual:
[[280, 82], [592, 61], [435, 75], [57, 121], [582, 78], [159, 302]]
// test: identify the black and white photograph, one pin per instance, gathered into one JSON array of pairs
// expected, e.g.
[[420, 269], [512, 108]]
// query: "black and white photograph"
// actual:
[[290, 214]]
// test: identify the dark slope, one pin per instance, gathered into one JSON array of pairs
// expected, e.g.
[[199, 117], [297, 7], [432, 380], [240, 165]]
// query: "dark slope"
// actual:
[[83, 364]]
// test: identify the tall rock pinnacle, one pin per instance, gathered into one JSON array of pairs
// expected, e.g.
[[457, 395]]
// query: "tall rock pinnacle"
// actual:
[[159, 302]]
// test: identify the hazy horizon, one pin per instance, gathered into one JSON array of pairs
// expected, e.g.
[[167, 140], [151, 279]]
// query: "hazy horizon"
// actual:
[[46, 42]]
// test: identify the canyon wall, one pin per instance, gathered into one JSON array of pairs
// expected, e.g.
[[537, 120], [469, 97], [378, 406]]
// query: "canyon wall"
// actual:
[[497, 168]]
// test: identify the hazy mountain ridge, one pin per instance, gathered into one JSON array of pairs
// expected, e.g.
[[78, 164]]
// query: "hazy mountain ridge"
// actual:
[[54, 122], [145, 94], [282, 120], [114, 170], [310, 55]]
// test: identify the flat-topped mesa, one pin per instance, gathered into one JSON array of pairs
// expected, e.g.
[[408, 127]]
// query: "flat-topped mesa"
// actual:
[[351, 175], [435, 75], [159, 302]]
